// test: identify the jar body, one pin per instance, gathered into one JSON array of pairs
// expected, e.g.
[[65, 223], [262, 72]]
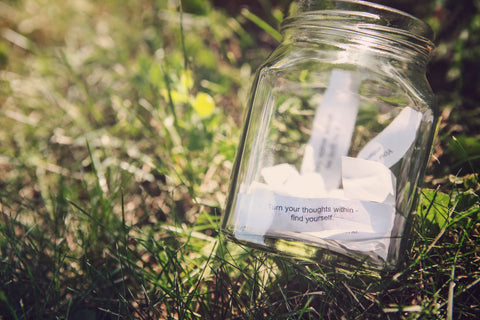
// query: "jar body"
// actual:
[[336, 137]]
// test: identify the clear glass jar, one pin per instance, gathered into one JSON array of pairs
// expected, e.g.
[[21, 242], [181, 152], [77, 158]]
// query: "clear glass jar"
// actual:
[[336, 137]]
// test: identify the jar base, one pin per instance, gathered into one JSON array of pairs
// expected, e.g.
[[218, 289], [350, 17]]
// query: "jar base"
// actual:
[[328, 253]]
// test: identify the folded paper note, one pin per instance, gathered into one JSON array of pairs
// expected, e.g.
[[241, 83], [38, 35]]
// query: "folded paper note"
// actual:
[[394, 141]]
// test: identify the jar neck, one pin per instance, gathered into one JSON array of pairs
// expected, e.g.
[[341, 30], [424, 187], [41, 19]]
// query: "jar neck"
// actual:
[[364, 26]]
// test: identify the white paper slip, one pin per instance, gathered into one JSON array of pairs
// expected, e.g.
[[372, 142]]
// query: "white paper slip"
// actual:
[[390, 145], [332, 128], [368, 180], [263, 209], [252, 212], [279, 174], [285, 179]]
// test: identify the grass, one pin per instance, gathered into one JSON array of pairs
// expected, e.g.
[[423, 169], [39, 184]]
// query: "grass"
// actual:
[[119, 123]]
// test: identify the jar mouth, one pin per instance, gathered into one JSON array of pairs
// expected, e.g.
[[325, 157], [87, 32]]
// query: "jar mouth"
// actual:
[[375, 20], [363, 11]]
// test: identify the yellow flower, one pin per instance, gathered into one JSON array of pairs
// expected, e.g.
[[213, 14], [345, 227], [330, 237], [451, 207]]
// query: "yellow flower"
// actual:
[[203, 104]]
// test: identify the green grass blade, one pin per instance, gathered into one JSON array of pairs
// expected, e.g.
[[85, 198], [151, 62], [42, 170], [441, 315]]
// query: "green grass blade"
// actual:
[[262, 24]]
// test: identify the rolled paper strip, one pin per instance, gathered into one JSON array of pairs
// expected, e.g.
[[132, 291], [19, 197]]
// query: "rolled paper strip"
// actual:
[[333, 127]]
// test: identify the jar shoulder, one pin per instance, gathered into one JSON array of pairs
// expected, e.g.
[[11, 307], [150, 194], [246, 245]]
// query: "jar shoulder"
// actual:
[[307, 65]]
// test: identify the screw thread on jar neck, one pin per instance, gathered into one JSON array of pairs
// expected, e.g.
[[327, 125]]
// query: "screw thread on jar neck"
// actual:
[[360, 23]]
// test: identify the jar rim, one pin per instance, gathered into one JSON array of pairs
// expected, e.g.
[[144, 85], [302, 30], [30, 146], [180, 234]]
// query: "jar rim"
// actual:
[[366, 11]]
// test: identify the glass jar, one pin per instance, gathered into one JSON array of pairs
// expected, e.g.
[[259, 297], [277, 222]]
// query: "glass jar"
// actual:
[[336, 137]]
